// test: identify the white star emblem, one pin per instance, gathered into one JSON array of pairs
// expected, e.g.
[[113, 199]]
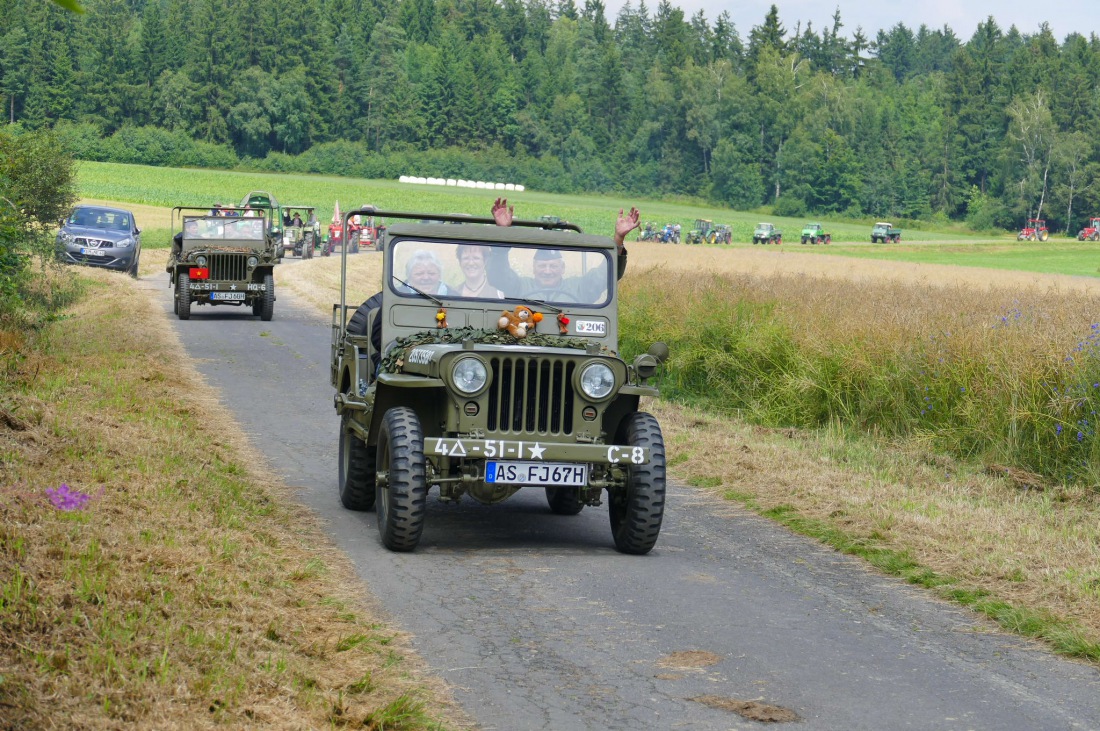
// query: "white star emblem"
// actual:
[[232, 286], [536, 451]]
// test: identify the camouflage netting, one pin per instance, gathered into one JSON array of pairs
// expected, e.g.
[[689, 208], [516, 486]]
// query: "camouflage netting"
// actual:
[[395, 356]]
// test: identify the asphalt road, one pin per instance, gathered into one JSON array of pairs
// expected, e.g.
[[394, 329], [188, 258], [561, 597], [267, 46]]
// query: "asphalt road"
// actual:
[[539, 623]]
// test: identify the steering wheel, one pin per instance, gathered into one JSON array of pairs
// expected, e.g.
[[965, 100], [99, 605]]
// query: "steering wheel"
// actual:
[[551, 295]]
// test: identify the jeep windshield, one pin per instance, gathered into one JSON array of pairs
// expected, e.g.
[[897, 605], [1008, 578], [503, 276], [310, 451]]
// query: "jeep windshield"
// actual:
[[500, 272], [225, 229]]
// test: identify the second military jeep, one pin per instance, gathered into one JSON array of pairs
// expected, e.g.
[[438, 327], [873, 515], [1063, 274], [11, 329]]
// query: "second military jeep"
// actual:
[[223, 260], [435, 389]]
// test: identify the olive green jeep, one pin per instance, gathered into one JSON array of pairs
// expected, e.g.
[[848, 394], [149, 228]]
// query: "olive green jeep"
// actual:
[[490, 362], [222, 260]]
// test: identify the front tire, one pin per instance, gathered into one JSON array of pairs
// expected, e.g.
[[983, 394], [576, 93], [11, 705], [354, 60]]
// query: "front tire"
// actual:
[[267, 303], [564, 500], [358, 469], [401, 488], [637, 508], [183, 297]]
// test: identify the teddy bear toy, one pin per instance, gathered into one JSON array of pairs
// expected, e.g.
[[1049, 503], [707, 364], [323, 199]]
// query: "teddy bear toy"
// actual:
[[518, 322]]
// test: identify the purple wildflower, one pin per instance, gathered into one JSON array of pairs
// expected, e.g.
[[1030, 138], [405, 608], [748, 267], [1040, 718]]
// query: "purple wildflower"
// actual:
[[67, 499], [1057, 428]]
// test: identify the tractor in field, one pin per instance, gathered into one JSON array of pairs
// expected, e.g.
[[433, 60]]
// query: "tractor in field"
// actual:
[[767, 233], [1035, 230], [814, 233], [884, 233], [721, 234], [1090, 232], [700, 233]]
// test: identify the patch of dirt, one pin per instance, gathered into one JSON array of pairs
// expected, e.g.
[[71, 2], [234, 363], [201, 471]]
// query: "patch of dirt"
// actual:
[[1022, 479], [752, 710], [689, 659]]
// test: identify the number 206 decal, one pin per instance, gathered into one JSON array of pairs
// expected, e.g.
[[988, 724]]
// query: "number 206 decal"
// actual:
[[591, 327]]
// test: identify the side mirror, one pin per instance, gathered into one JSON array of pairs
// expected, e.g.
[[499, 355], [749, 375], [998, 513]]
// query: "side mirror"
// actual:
[[137, 231]]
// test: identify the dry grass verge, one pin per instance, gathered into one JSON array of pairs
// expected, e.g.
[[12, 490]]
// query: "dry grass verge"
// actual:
[[988, 538], [184, 590]]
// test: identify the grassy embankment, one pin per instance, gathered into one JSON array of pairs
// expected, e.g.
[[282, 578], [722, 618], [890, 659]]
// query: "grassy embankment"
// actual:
[[152, 575]]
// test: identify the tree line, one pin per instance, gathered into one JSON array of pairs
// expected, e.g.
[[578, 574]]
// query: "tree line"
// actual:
[[906, 124]]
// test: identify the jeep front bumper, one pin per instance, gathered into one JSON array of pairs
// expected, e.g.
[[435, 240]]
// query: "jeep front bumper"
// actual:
[[528, 450]]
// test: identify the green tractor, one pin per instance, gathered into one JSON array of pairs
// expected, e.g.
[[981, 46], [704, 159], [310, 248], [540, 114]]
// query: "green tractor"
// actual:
[[263, 204], [701, 232], [884, 232], [767, 233], [814, 233]]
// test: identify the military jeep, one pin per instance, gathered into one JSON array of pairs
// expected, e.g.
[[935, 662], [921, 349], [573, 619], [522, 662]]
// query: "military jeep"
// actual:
[[222, 260], [432, 392]]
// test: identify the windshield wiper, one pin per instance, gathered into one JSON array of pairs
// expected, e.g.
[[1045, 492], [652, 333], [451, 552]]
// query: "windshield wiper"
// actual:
[[540, 303], [422, 294]]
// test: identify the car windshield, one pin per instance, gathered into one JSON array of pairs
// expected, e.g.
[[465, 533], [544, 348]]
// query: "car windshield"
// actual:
[[100, 218], [483, 271], [216, 227]]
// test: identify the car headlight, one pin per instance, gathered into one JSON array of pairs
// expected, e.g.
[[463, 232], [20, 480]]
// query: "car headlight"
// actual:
[[124, 243], [200, 260], [65, 237], [469, 375], [252, 262], [597, 380]]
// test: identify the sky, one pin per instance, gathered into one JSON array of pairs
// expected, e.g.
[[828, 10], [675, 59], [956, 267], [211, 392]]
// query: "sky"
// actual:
[[1063, 16]]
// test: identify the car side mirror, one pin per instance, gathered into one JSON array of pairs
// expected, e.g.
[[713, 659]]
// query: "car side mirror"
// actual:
[[137, 231]]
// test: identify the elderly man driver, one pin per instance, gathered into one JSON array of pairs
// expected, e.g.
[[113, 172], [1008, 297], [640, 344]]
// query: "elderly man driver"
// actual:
[[548, 266]]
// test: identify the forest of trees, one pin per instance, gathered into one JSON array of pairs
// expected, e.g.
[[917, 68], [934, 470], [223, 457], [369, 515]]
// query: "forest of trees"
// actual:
[[888, 123]]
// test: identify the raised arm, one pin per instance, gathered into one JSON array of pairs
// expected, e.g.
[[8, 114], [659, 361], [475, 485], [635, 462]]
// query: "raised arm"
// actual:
[[624, 225], [502, 212]]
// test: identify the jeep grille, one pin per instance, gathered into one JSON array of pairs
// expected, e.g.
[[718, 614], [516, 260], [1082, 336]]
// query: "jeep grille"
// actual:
[[530, 396], [228, 267]]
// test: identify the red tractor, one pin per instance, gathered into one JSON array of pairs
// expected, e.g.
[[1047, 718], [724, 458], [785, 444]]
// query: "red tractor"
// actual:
[[1090, 232], [1035, 230]]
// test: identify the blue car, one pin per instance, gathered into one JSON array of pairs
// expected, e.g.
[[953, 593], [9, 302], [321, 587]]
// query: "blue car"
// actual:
[[100, 236]]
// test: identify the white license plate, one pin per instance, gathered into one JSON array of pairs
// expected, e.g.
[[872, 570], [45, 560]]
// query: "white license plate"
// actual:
[[233, 296], [93, 252], [536, 473]]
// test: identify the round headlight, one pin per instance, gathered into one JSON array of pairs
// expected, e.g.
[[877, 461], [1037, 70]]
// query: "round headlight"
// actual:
[[469, 375], [597, 380], [200, 260], [252, 261]]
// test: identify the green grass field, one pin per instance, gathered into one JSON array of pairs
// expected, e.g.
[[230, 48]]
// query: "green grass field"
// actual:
[[1062, 256], [167, 187]]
